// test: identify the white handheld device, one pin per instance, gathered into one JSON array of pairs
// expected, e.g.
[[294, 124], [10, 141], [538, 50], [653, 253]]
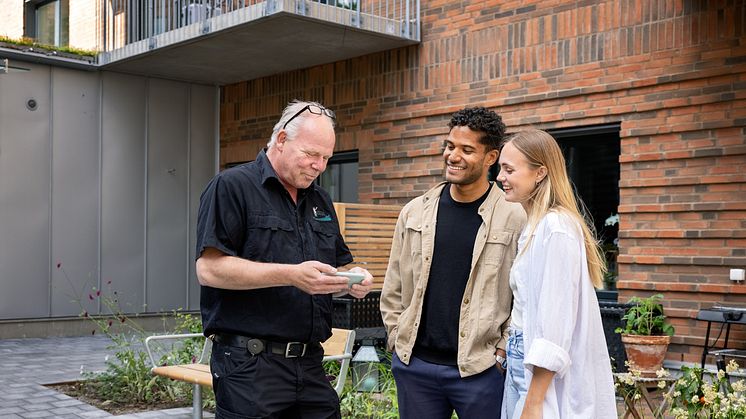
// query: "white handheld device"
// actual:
[[352, 277]]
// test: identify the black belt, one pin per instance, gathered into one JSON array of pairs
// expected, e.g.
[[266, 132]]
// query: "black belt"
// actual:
[[256, 345]]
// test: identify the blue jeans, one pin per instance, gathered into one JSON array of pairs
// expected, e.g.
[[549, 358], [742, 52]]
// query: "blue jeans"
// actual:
[[516, 387], [434, 391]]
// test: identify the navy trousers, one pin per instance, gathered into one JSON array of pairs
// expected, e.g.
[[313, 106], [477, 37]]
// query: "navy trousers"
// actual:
[[434, 391]]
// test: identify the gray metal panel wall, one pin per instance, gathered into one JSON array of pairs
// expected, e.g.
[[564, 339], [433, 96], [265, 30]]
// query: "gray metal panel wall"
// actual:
[[103, 178], [75, 190], [202, 163], [123, 177], [167, 203], [25, 157]]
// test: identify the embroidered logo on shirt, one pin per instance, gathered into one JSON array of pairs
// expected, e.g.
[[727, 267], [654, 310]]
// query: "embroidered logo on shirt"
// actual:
[[320, 215]]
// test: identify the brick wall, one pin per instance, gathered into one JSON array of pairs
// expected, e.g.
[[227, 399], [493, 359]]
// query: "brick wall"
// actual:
[[672, 73]]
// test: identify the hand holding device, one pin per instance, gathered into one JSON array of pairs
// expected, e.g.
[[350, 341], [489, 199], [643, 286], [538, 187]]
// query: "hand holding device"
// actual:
[[352, 277]]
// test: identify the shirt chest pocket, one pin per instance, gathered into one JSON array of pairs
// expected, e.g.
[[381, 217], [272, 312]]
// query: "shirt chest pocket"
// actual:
[[497, 244], [413, 238], [269, 238], [325, 237]]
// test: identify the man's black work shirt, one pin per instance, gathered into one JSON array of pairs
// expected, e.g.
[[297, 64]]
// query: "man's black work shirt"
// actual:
[[245, 211]]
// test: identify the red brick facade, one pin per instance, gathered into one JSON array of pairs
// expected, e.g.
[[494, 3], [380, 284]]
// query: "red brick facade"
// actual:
[[672, 73]]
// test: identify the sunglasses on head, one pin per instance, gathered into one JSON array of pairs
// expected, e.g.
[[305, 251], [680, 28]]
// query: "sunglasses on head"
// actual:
[[314, 109]]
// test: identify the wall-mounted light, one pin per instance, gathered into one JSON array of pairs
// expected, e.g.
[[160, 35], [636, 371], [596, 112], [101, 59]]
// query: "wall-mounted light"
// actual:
[[6, 68]]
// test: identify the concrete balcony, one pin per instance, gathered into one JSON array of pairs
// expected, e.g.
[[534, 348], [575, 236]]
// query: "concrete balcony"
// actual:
[[225, 41]]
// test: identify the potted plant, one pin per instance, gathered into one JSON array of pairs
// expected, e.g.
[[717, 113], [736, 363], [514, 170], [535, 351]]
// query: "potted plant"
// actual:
[[646, 334]]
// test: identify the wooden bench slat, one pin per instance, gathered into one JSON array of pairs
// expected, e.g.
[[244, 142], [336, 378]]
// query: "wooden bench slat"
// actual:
[[335, 345], [191, 373]]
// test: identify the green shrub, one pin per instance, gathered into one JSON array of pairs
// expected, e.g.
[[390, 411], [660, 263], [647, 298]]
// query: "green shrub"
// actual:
[[127, 378]]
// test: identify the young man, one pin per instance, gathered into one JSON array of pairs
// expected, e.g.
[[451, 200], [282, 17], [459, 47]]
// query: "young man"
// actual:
[[446, 297], [266, 238]]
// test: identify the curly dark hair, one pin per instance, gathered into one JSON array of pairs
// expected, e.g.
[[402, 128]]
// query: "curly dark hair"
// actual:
[[485, 121]]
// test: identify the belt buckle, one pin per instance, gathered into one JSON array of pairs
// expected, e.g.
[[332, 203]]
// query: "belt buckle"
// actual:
[[290, 345]]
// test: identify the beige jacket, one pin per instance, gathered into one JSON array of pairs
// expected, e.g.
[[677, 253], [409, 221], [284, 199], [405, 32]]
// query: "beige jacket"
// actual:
[[486, 304]]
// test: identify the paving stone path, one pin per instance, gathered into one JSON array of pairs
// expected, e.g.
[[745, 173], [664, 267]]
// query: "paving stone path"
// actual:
[[27, 364]]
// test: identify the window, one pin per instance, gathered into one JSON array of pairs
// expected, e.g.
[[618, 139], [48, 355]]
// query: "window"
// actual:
[[592, 157], [340, 177], [345, 4], [48, 22]]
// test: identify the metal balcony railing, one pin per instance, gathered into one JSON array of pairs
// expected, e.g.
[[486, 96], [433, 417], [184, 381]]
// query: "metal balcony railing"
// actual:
[[126, 22]]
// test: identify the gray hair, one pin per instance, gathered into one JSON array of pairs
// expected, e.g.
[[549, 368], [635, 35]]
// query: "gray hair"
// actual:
[[292, 128]]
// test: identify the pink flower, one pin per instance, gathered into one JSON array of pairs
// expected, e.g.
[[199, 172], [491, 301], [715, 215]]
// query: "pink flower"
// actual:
[[90, 297]]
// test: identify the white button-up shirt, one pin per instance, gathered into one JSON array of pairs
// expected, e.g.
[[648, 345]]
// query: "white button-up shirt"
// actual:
[[562, 327]]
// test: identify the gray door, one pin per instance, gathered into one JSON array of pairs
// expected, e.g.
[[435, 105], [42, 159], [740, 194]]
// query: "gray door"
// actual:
[[25, 161], [75, 190], [168, 141]]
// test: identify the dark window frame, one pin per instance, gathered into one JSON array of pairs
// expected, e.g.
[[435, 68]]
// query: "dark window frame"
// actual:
[[31, 24], [342, 157]]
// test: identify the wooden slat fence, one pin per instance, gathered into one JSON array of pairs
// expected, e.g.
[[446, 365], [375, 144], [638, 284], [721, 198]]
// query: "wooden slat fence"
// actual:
[[368, 230]]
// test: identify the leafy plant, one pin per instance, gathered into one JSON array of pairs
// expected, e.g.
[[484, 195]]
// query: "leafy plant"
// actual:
[[646, 318], [127, 378], [384, 404], [694, 396]]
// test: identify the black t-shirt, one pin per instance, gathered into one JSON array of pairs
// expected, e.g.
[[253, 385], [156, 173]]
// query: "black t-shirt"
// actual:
[[455, 233], [245, 211]]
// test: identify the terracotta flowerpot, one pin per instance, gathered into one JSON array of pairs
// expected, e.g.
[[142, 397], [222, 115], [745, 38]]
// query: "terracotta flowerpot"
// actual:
[[646, 353]]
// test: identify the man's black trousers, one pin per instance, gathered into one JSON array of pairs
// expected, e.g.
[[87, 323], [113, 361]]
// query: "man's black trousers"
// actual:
[[267, 385]]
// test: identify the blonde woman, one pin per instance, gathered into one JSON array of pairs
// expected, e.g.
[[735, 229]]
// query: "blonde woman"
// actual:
[[558, 362]]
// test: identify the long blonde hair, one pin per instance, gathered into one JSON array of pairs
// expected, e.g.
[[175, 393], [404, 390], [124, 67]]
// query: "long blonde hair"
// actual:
[[555, 193]]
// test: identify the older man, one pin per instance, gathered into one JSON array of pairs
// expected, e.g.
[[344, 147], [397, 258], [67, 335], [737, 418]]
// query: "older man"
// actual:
[[268, 241]]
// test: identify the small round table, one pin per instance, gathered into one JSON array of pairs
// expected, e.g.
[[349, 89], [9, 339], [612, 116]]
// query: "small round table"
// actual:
[[641, 386]]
